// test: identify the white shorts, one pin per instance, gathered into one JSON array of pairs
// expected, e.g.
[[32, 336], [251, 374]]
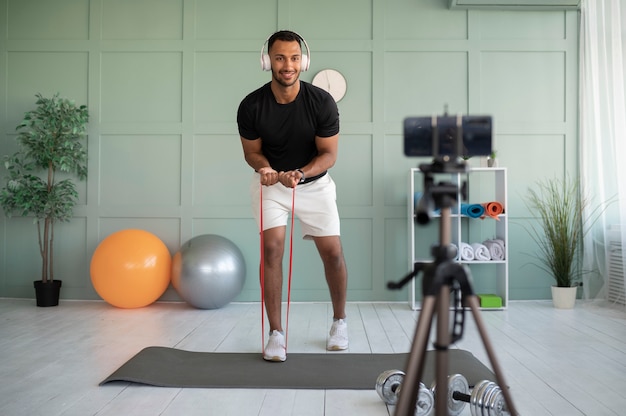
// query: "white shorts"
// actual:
[[315, 206]]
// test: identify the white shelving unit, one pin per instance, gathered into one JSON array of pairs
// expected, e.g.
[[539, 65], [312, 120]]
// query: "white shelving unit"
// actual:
[[484, 185]]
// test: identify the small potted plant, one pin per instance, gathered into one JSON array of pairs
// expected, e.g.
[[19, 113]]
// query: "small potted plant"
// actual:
[[560, 206], [50, 141], [491, 159]]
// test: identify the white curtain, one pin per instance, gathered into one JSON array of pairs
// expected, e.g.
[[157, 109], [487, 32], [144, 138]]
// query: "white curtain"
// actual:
[[603, 146]]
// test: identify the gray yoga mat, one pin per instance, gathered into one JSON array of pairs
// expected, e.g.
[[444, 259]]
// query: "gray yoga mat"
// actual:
[[169, 367]]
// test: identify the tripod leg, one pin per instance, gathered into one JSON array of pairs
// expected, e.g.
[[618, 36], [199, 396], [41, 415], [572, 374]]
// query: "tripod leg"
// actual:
[[442, 344], [474, 304], [415, 363]]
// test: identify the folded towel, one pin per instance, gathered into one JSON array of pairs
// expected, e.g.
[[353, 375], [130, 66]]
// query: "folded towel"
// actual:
[[453, 253], [496, 248], [481, 252], [472, 210], [466, 251], [493, 209], [455, 248]]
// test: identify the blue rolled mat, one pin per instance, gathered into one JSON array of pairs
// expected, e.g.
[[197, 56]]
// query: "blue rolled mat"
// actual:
[[472, 210]]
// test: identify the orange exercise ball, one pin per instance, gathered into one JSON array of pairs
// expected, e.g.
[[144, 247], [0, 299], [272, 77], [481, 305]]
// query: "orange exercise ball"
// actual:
[[131, 268]]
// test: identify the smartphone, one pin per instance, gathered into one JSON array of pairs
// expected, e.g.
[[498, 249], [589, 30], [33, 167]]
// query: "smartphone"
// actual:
[[439, 136]]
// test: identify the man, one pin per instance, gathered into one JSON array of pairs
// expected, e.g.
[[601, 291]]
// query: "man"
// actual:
[[289, 132]]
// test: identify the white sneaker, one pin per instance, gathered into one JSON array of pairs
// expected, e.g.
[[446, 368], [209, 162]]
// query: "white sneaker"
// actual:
[[338, 339], [275, 349]]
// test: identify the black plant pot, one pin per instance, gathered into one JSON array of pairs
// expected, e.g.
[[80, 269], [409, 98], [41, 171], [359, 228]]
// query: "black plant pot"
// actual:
[[47, 294]]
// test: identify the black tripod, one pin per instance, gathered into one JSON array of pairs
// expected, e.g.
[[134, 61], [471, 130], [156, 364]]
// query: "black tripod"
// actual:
[[441, 277]]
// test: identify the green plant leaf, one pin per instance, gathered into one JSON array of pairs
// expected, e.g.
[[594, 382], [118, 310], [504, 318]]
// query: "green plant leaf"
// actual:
[[560, 205], [50, 139]]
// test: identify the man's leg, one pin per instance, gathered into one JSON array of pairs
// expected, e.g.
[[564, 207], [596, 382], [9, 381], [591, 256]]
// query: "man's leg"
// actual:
[[337, 279], [274, 244], [331, 254]]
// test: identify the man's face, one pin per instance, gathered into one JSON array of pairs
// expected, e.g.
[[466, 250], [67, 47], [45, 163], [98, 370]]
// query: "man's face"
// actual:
[[286, 60]]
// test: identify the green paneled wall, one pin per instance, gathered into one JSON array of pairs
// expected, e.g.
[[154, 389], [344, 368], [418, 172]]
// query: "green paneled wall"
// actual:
[[163, 79]]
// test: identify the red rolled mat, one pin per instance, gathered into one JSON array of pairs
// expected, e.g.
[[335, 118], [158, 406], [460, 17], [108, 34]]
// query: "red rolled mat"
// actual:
[[493, 209]]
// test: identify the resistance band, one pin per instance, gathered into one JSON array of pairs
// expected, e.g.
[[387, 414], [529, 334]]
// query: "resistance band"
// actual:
[[262, 268]]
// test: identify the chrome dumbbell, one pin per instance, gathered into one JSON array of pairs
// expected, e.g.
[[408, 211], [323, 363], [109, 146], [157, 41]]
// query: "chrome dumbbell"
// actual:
[[425, 403], [389, 385], [486, 399], [456, 384]]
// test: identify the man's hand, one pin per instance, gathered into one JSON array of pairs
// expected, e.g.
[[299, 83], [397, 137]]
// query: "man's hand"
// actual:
[[290, 179], [268, 176]]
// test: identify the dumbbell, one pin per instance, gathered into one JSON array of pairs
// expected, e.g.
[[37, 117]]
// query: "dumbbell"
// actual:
[[456, 384], [389, 385], [486, 399]]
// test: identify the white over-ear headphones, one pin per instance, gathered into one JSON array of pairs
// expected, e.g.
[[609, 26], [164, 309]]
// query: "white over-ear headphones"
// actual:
[[266, 63]]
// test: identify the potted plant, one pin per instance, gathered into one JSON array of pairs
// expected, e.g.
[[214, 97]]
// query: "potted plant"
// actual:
[[50, 141], [491, 159], [560, 204]]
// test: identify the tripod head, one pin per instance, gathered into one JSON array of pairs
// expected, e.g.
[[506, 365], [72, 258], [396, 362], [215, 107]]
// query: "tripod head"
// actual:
[[444, 194]]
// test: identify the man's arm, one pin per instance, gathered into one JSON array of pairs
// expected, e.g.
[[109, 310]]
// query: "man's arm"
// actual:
[[327, 149], [256, 159], [326, 156]]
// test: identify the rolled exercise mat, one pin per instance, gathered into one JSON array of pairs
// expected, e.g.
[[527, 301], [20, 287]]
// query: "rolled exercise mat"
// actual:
[[493, 209], [473, 210]]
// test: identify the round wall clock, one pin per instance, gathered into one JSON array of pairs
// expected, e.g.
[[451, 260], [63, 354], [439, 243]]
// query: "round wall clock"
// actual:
[[332, 81]]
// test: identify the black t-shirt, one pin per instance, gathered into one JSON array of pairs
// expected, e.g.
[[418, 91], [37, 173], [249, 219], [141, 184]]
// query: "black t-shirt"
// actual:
[[288, 131]]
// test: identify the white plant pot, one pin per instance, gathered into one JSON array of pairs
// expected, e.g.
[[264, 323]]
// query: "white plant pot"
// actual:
[[564, 297]]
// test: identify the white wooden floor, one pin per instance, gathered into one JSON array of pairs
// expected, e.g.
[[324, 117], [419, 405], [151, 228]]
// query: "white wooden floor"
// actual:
[[51, 359]]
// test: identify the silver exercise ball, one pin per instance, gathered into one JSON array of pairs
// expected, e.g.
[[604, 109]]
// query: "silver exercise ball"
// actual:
[[208, 271]]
